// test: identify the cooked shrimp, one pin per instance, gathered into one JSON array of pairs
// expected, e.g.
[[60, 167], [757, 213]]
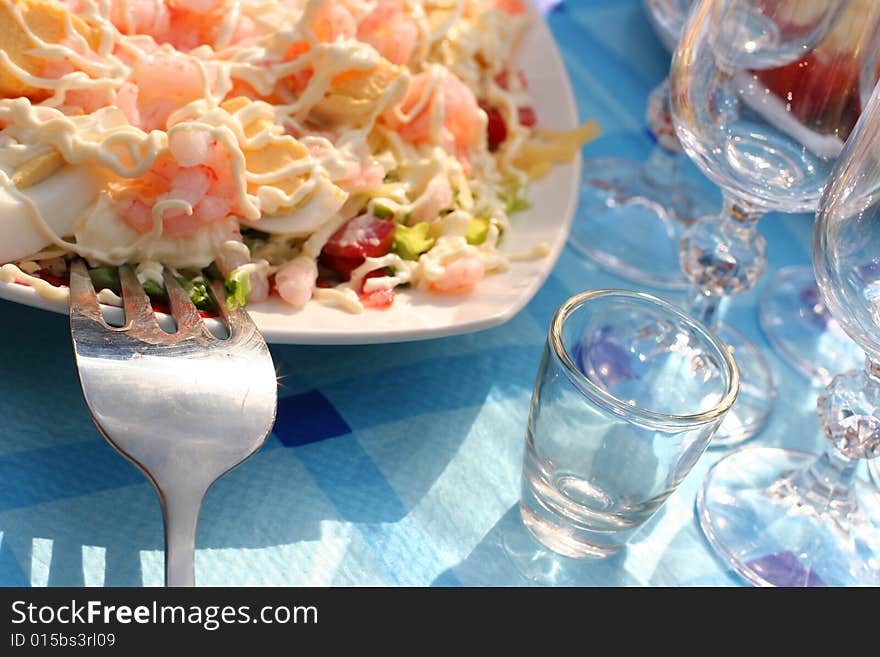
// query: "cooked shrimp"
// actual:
[[362, 177], [460, 111], [332, 22], [166, 82], [392, 32], [200, 174], [191, 28], [512, 7], [260, 287], [185, 24], [295, 281], [140, 16], [460, 275], [232, 254], [76, 100], [126, 100], [355, 176], [197, 6]]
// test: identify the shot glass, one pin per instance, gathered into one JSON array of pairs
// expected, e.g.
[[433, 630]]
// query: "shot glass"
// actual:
[[629, 393]]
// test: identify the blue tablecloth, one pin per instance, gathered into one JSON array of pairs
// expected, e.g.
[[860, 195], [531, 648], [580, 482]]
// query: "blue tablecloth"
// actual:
[[389, 464]]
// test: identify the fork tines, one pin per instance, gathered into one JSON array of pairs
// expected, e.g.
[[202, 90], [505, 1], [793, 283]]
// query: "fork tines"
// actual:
[[140, 318]]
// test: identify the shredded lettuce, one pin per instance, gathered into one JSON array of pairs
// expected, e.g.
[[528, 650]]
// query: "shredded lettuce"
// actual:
[[154, 290], [199, 293], [411, 241], [238, 288], [105, 278], [513, 200]]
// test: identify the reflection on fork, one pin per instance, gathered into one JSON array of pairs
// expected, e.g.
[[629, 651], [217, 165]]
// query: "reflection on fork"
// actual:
[[185, 407]]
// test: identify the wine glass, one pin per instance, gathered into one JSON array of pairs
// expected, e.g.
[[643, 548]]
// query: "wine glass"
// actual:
[[668, 17], [750, 110], [782, 517], [631, 213], [793, 316]]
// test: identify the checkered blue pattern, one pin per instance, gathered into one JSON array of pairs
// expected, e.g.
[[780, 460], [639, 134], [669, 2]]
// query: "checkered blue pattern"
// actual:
[[389, 464]]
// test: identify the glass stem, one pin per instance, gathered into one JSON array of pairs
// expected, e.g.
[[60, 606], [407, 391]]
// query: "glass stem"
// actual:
[[825, 485], [704, 307], [849, 418], [722, 255], [833, 473]]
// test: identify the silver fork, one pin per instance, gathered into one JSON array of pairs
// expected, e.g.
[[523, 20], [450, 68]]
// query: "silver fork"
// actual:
[[184, 407]]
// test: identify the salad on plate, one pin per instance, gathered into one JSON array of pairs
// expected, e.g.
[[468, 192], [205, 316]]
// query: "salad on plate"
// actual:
[[318, 151]]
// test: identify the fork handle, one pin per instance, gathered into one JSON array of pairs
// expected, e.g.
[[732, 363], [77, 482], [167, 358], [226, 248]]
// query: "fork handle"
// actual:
[[181, 514]]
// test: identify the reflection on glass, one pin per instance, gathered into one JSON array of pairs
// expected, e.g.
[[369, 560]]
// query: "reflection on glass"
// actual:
[[763, 96], [789, 518]]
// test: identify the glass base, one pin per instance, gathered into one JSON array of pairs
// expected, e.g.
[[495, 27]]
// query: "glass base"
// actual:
[[538, 565], [761, 523], [801, 329], [562, 540], [757, 392], [631, 225]]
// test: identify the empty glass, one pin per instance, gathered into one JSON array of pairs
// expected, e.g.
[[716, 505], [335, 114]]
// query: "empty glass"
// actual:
[[763, 95], [793, 315], [632, 213], [628, 395], [787, 518]]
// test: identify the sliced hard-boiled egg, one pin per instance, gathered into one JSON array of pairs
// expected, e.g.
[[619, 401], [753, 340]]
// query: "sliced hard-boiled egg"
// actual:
[[314, 211], [31, 215]]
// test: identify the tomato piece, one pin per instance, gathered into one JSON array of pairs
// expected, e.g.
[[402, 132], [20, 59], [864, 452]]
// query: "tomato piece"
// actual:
[[527, 116], [496, 128], [503, 80], [377, 299], [364, 236], [52, 279], [342, 266]]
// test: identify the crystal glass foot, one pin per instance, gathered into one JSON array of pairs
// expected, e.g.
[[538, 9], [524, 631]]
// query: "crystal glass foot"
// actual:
[[758, 509], [757, 391], [538, 565], [783, 518], [800, 328], [632, 214], [630, 223]]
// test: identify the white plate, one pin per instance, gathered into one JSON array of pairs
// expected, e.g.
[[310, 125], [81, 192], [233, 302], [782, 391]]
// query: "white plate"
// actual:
[[416, 315]]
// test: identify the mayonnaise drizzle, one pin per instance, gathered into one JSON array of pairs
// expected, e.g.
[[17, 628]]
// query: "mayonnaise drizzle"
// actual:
[[105, 139]]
